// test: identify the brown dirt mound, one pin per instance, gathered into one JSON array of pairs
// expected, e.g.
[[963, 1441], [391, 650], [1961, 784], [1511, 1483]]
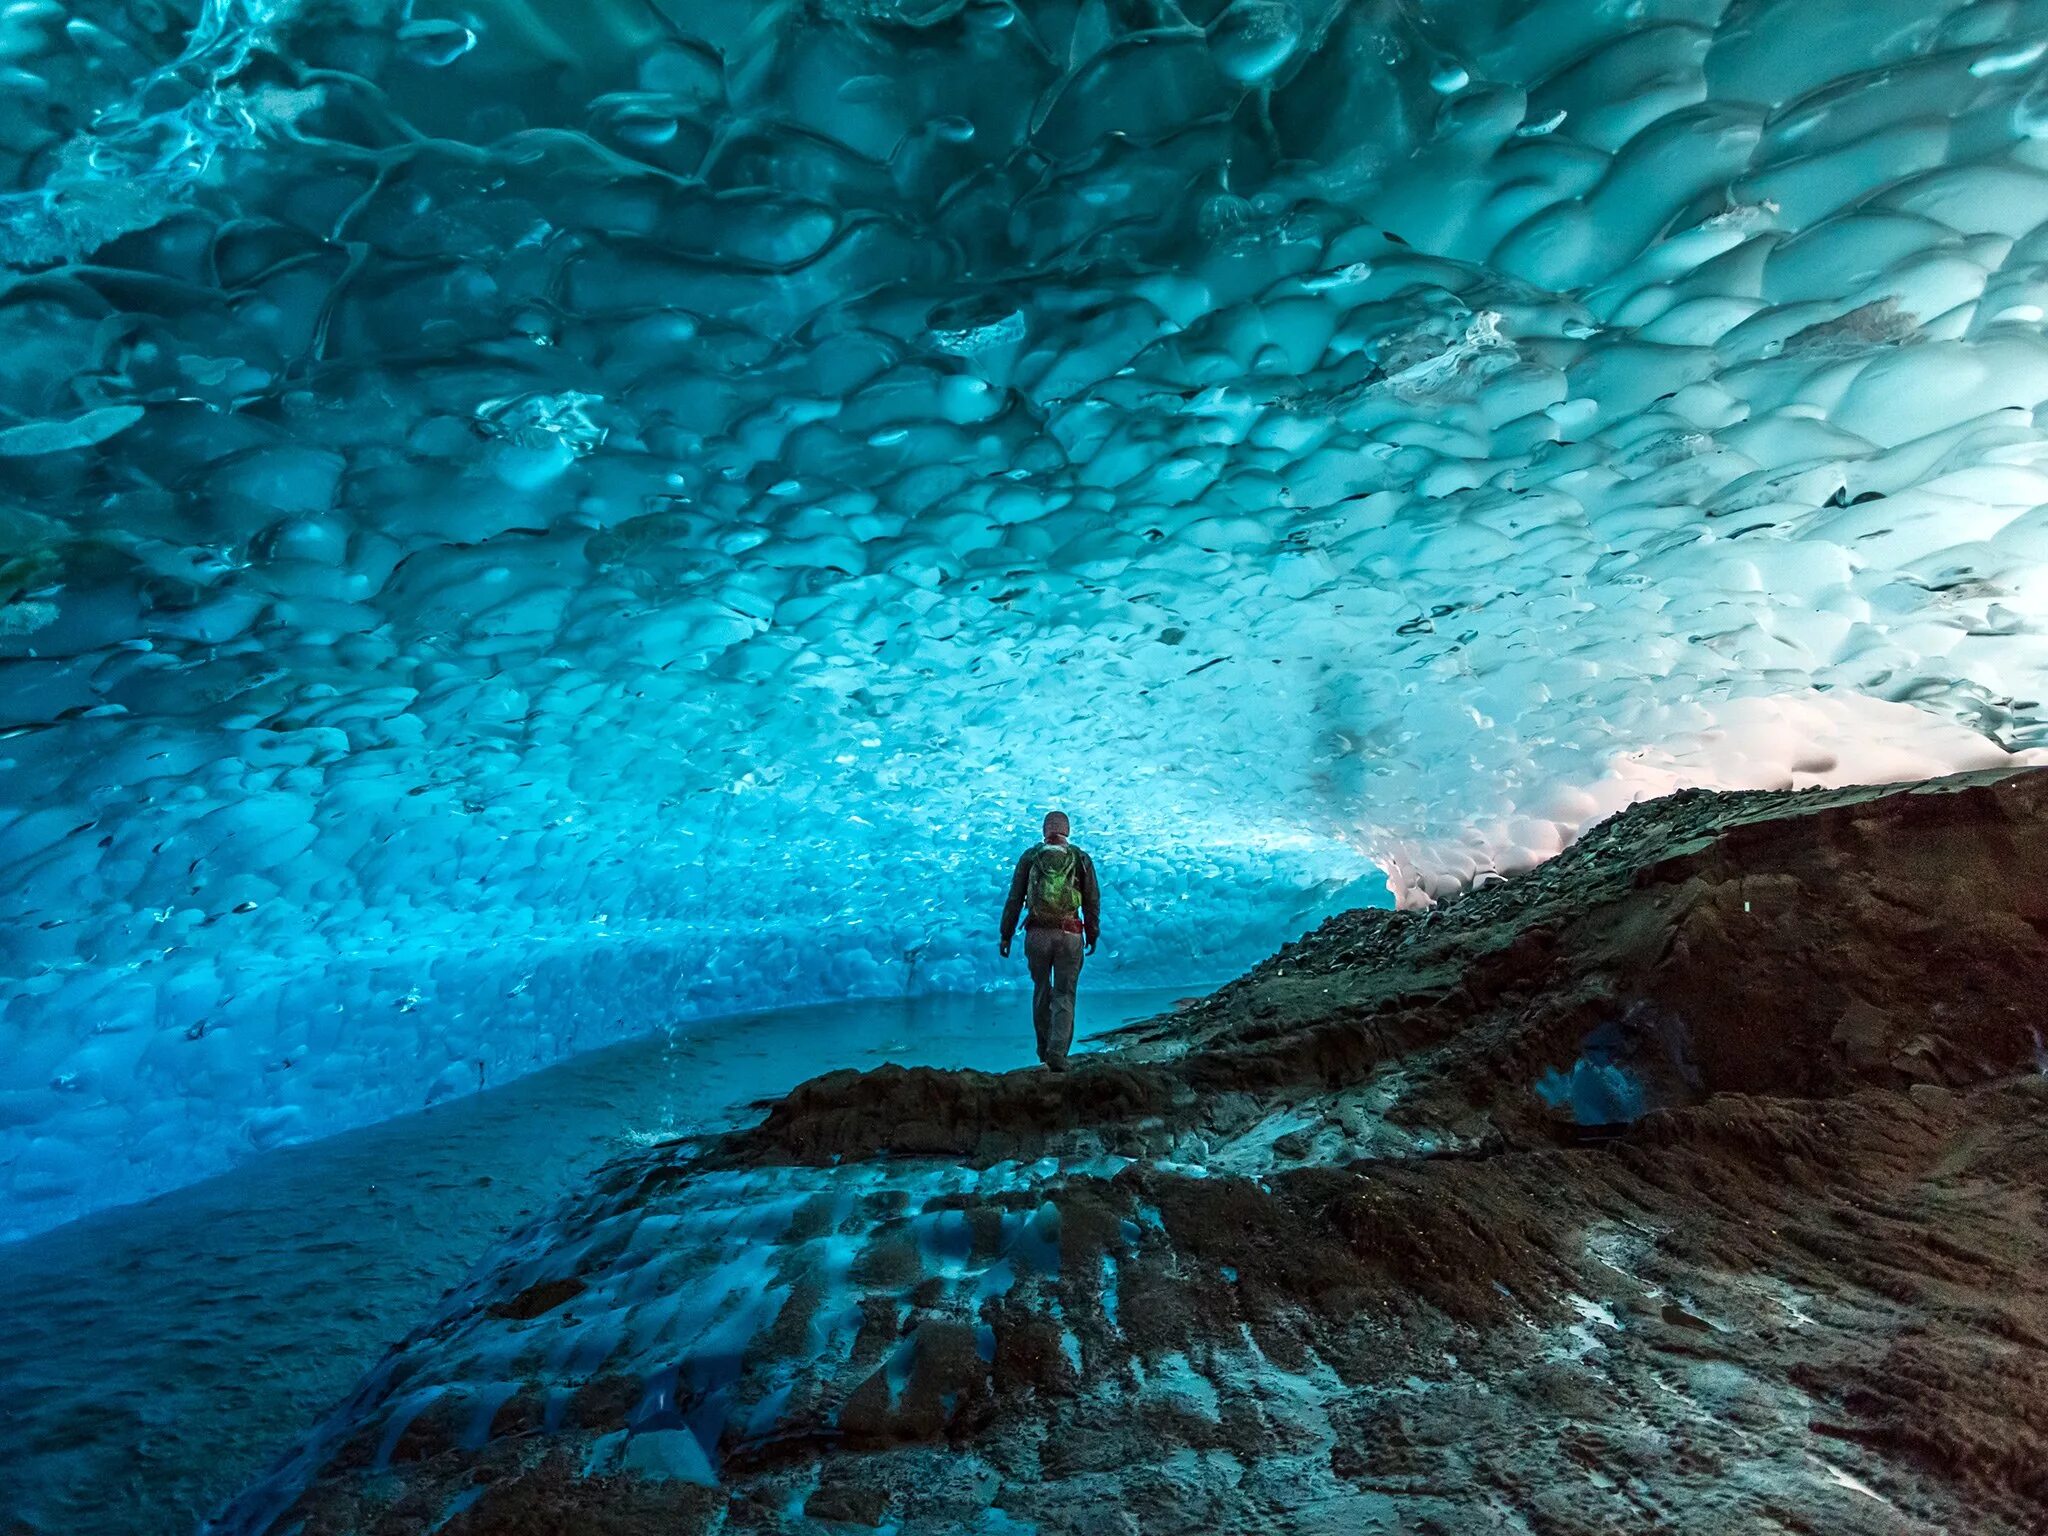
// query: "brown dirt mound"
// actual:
[[1316, 1255]]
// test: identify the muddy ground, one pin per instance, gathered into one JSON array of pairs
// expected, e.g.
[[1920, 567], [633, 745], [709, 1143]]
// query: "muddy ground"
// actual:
[[1692, 1182]]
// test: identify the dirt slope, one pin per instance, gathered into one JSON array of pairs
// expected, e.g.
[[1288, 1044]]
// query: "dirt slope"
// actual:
[[1693, 1182]]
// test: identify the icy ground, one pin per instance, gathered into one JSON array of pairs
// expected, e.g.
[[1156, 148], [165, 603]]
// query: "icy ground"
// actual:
[[158, 1358], [519, 521]]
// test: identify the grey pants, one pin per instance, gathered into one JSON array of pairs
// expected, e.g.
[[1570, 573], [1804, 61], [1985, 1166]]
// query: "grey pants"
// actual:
[[1055, 960]]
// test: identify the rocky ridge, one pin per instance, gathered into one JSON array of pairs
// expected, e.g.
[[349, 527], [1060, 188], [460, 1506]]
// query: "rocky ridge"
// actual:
[[1691, 1182]]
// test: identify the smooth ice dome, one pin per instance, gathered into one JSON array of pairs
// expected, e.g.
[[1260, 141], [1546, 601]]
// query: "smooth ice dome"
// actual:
[[521, 523]]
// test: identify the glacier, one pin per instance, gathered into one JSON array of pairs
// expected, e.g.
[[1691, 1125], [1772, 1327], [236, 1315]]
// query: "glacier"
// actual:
[[525, 523]]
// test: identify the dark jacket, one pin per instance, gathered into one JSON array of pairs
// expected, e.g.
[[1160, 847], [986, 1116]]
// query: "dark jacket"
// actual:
[[1091, 894]]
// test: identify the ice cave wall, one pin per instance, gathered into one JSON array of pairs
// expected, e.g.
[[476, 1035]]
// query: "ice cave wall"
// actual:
[[520, 522]]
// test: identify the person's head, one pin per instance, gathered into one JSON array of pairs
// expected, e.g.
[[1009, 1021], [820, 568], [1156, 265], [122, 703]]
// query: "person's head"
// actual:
[[1057, 826]]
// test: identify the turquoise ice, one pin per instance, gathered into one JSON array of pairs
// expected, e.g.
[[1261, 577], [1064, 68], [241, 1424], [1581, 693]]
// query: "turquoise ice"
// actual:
[[520, 524]]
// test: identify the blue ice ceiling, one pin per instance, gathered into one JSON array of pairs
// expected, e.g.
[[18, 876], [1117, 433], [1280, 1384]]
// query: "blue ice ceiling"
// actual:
[[521, 522]]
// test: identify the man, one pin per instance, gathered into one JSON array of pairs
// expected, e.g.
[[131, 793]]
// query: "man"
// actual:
[[1054, 887]]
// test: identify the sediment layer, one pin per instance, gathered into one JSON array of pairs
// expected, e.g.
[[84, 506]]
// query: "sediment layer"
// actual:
[[1691, 1182]]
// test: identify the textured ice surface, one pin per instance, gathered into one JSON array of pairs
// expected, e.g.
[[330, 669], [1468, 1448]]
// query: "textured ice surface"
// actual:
[[350, 1239], [522, 521]]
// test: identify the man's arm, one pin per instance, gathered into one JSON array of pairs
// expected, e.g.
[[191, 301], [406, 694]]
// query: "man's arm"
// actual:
[[1013, 904], [1091, 901]]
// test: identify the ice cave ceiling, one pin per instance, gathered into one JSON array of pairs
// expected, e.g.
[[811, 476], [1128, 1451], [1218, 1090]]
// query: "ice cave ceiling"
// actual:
[[518, 521]]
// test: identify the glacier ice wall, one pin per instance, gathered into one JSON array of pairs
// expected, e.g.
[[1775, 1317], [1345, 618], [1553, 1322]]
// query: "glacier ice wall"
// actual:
[[520, 521]]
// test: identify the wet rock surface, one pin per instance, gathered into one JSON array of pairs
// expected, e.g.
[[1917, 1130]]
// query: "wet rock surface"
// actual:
[[1692, 1182]]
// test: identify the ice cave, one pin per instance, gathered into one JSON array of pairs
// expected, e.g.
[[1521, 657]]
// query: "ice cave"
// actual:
[[554, 554]]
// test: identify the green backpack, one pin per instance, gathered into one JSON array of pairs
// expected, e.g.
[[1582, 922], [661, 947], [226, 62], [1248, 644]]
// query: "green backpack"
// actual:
[[1055, 890]]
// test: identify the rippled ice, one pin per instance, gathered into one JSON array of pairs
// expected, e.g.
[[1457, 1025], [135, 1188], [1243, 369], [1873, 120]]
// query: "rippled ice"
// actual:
[[517, 511]]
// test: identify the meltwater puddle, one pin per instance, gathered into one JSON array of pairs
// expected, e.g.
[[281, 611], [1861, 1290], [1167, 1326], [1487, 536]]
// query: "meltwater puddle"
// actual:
[[158, 1356]]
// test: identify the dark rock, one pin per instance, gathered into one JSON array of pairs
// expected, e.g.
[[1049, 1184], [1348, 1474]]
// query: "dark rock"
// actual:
[[1690, 1182], [536, 1299]]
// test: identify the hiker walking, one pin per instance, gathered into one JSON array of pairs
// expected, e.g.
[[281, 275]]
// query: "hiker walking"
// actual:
[[1055, 890]]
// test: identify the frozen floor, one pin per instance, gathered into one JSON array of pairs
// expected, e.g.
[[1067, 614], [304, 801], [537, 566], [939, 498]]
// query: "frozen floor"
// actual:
[[157, 1356]]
